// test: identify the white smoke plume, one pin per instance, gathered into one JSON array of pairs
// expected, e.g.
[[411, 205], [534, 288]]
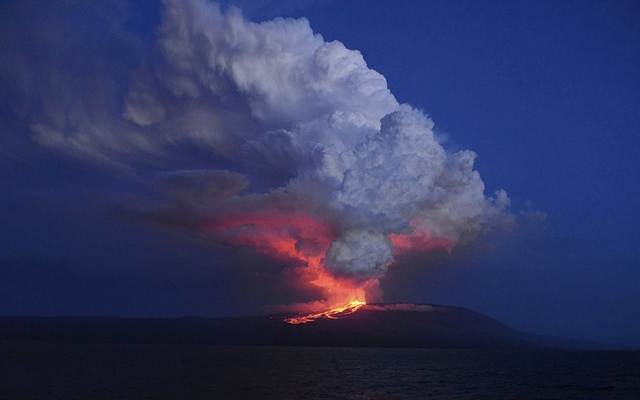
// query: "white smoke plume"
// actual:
[[273, 99], [362, 161]]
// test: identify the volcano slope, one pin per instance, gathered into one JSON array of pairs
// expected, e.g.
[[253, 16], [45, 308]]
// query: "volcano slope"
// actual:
[[377, 325]]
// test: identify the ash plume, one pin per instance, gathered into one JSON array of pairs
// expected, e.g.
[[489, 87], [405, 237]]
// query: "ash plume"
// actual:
[[355, 178]]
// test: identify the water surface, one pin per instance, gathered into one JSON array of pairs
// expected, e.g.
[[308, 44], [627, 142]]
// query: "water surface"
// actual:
[[44, 370]]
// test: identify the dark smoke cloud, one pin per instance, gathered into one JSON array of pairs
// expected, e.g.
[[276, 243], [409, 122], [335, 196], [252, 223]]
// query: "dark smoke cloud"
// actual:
[[60, 81]]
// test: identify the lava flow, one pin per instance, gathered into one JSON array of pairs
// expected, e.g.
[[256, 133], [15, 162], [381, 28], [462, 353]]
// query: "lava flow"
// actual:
[[329, 314]]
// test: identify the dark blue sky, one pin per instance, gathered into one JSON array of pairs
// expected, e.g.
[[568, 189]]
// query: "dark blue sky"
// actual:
[[546, 93]]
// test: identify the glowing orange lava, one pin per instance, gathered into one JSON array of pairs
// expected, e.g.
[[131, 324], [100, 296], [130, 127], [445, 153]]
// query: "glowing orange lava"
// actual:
[[330, 314]]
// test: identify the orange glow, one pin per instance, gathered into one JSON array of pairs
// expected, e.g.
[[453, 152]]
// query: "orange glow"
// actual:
[[276, 233], [330, 314], [294, 235], [418, 240]]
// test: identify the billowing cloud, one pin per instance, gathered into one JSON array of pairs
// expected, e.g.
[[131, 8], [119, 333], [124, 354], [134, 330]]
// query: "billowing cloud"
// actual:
[[356, 177]]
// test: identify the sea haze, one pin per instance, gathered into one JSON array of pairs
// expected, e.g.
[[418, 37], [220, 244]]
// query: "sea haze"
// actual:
[[32, 370]]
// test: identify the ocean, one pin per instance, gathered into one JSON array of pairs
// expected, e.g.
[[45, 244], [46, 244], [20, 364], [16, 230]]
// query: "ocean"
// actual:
[[64, 370]]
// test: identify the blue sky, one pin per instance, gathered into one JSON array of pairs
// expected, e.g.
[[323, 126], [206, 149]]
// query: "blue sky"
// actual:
[[545, 93]]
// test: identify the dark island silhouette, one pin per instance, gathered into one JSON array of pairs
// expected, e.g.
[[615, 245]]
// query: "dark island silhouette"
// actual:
[[378, 325]]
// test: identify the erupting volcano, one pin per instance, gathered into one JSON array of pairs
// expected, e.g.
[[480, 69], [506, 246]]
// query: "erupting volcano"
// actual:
[[306, 239], [355, 179], [296, 236]]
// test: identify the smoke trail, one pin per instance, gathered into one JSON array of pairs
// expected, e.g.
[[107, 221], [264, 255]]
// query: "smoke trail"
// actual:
[[356, 178]]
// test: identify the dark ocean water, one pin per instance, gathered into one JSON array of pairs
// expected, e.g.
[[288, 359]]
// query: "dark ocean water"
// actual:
[[50, 370]]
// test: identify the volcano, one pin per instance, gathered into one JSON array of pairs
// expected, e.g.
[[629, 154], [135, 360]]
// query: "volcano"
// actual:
[[374, 325]]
